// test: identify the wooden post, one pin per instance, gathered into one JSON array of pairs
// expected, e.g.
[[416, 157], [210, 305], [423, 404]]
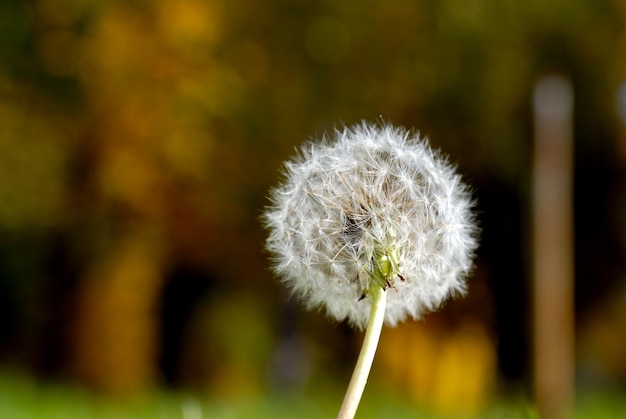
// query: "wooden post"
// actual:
[[552, 249]]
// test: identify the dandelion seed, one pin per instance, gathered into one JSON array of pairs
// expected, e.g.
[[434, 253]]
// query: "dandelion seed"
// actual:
[[371, 206]]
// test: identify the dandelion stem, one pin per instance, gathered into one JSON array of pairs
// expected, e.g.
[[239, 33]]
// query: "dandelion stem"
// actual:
[[366, 356]]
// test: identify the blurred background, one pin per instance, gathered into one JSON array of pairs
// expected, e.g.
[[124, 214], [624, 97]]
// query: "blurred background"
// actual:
[[138, 140]]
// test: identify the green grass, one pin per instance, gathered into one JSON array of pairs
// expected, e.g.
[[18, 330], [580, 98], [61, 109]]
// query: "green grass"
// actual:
[[24, 398]]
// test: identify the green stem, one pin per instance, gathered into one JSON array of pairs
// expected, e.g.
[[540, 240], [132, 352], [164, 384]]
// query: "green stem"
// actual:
[[366, 356]]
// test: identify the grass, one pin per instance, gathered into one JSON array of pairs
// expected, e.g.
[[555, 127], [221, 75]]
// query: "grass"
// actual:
[[24, 398]]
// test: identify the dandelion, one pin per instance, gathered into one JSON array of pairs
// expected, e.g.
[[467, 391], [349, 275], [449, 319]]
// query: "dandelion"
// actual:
[[372, 226]]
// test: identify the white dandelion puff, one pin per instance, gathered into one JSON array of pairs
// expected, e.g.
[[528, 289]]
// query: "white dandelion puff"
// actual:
[[373, 205], [370, 209]]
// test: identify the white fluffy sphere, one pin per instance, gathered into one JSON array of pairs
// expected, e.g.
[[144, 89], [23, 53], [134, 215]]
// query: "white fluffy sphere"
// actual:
[[367, 194]]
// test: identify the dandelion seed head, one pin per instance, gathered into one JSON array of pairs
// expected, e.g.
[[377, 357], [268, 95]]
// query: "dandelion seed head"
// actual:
[[372, 205]]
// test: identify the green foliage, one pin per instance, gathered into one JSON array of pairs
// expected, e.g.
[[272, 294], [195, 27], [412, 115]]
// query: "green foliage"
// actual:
[[21, 398]]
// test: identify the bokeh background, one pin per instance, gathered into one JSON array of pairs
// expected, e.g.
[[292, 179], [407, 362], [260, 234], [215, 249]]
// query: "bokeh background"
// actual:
[[138, 140]]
